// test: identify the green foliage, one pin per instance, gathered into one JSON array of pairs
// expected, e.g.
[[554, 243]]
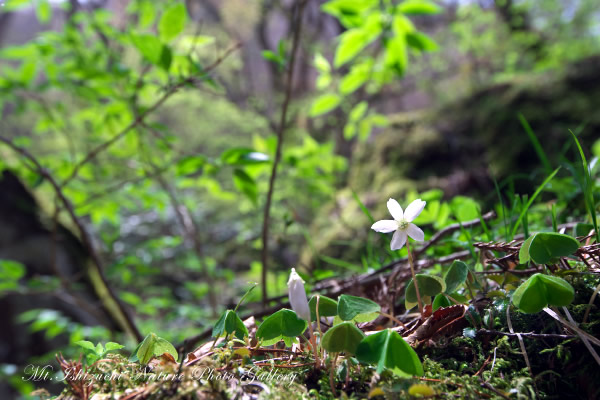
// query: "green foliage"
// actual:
[[455, 276], [11, 272], [95, 353], [349, 307], [283, 323], [429, 285], [541, 290], [230, 323], [343, 337], [172, 22], [153, 346], [327, 307], [547, 247], [387, 349], [369, 65]]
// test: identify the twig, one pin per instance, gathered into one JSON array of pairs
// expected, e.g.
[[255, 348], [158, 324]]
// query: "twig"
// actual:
[[280, 135], [191, 233], [105, 293], [523, 349], [525, 334], [451, 229], [573, 327], [585, 341]]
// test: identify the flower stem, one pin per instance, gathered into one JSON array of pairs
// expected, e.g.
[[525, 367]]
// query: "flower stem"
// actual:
[[414, 277]]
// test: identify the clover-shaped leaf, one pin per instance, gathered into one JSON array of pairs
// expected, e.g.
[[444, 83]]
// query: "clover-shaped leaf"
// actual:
[[327, 307], [282, 323], [351, 306], [387, 349], [544, 247], [429, 285], [342, 337], [228, 323], [541, 290], [456, 276]]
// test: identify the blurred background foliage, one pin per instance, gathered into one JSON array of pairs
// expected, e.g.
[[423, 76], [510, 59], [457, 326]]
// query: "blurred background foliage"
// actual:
[[157, 120]]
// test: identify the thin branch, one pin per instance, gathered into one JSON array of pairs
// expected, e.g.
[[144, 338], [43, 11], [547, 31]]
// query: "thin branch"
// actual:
[[123, 319], [280, 135], [530, 335]]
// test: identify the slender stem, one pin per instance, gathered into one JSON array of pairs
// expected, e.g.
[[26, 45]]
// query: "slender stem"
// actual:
[[412, 271], [396, 320], [332, 375], [313, 341], [280, 134]]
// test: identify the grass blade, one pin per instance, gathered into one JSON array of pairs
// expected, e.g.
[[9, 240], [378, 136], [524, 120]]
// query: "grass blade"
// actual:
[[530, 202], [536, 144]]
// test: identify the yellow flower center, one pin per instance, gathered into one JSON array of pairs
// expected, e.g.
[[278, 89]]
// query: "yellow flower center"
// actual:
[[403, 224]]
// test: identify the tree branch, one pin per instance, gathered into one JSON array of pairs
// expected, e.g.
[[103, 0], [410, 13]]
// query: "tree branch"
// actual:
[[123, 319], [280, 133]]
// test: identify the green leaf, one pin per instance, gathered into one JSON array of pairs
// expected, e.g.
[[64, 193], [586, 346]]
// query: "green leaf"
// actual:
[[172, 22], [153, 346], [164, 346], [545, 247], [429, 285], [583, 229], [456, 276], [245, 184], [153, 50], [358, 111], [353, 41], [324, 103], [541, 290], [351, 306], [86, 345], [440, 301], [524, 250], [327, 307], [387, 349], [146, 349], [343, 337], [243, 156], [11, 270], [110, 346], [420, 41], [282, 323], [44, 11], [357, 76], [228, 323], [321, 63], [396, 55], [418, 7]]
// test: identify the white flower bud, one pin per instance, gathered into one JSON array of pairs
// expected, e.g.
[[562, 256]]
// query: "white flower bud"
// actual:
[[297, 296]]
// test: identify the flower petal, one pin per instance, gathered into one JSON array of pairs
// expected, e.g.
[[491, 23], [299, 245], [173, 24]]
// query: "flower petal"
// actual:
[[398, 240], [414, 209], [385, 226], [395, 209], [415, 232]]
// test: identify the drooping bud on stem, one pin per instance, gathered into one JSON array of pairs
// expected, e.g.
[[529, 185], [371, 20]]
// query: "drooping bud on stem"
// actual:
[[297, 296]]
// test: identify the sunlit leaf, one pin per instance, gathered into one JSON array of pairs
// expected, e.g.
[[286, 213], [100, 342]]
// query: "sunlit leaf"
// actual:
[[282, 323], [351, 306], [327, 307], [541, 290], [343, 337], [387, 349], [172, 22]]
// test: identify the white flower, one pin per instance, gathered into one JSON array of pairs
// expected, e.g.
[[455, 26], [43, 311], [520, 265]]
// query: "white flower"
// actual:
[[297, 296], [402, 223]]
